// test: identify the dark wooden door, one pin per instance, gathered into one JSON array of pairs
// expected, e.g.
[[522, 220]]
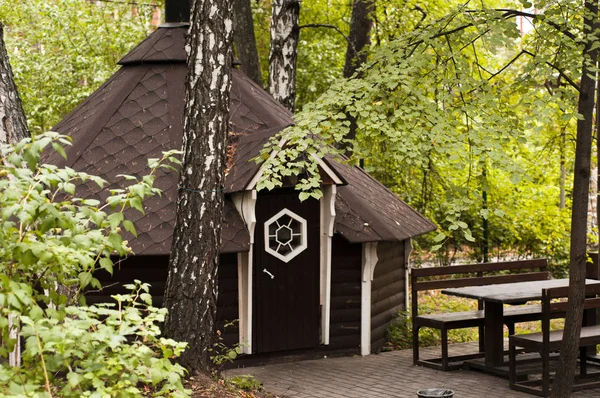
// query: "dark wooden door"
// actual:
[[286, 311]]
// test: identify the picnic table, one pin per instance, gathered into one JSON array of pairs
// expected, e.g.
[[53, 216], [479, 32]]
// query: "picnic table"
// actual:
[[494, 298]]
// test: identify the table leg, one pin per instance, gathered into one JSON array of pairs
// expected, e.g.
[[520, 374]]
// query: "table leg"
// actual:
[[494, 334]]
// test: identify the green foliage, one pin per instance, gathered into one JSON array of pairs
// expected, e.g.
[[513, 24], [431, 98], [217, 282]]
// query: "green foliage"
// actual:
[[245, 382], [49, 236], [95, 351], [222, 353], [61, 51], [467, 120], [51, 243]]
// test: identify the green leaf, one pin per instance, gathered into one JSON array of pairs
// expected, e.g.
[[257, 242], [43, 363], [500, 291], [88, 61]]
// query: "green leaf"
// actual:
[[439, 237], [115, 219], [36, 313], [115, 240], [107, 264], [84, 278], [136, 203], [303, 196], [59, 149], [129, 227], [468, 236]]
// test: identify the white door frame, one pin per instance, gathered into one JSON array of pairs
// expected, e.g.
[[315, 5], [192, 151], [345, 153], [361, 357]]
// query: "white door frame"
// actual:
[[245, 203]]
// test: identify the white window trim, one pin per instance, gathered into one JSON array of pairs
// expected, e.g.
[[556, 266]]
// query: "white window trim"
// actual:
[[303, 238]]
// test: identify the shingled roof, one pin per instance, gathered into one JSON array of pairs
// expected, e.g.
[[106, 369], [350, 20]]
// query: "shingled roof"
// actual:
[[138, 113]]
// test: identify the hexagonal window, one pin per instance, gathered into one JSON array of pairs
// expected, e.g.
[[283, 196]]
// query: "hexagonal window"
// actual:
[[285, 235]]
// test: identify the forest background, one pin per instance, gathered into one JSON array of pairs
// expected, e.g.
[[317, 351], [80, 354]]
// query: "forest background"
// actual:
[[476, 130]]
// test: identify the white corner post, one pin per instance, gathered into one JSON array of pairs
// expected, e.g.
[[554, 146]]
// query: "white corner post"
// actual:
[[326, 234], [245, 203], [407, 267], [369, 261]]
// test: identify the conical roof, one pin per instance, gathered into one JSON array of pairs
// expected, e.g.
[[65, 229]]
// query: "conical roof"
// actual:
[[138, 113]]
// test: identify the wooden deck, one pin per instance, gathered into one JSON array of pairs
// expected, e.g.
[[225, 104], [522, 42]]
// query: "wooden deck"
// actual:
[[390, 374]]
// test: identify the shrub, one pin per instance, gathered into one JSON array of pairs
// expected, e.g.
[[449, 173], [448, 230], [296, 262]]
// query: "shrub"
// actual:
[[51, 242]]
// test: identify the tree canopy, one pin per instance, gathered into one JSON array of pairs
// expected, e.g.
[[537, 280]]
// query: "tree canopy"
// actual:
[[62, 51], [467, 119]]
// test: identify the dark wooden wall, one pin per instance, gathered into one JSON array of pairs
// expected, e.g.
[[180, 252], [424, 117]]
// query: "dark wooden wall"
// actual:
[[387, 290], [154, 269], [346, 265]]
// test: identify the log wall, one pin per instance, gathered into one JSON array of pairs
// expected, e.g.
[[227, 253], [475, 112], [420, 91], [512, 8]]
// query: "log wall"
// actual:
[[154, 270], [346, 263], [387, 290]]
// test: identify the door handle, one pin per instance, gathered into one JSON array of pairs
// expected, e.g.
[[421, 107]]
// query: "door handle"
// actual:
[[268, 273]]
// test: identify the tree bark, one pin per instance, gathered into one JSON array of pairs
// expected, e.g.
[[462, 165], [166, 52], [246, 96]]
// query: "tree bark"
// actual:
[[13, 124], [245, 40], [285, 32], [561, 388], [191, 290], [360, 35], [358, 39], [563, 170]]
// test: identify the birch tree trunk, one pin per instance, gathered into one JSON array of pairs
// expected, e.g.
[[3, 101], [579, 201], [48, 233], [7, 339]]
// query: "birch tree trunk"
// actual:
[[191, 291], [13, 124], [245, 40], [561, 388], [13, 128], [360, 35], [285, 32]]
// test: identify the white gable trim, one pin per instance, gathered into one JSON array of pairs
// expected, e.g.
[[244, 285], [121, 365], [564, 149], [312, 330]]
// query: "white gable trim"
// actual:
[[369, 262]]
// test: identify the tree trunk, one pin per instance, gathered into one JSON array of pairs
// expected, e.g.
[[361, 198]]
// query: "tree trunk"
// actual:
[[563, 170], [561, 388], [13, 124], [245, 40], [358, 39], [360, 35], [191, 290], [285, 32]]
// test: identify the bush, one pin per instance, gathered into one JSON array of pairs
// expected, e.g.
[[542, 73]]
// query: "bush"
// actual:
[[95, 351], [51, 243]]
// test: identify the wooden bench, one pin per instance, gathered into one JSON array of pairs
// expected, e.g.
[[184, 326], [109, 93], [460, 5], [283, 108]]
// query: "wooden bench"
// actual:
[[437, 278], [547, 341]]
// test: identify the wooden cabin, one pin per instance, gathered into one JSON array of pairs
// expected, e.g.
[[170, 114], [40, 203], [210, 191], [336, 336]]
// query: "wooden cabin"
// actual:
[[328, 273]]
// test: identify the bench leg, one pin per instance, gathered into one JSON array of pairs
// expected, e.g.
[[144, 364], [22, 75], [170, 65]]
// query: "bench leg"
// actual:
[[583, 361], [415, 344], [512, 363], [511, 328], [546, 372], [444, 349], [481, 339]]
